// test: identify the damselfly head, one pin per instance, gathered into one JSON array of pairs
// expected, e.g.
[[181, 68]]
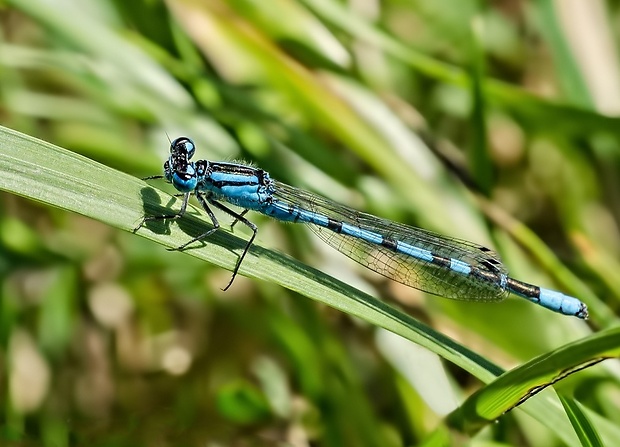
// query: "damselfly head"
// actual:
[[179, 170], [183, 176], [183, 146]]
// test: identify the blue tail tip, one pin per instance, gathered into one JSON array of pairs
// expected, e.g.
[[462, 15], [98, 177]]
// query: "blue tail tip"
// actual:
[[582, 312]]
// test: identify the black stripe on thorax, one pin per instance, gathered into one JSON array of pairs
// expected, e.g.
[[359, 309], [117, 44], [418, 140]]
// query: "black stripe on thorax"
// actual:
[[221, 184], [233, 168]]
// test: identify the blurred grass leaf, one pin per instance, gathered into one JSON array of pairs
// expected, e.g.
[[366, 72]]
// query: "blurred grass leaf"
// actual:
[[583, 427]]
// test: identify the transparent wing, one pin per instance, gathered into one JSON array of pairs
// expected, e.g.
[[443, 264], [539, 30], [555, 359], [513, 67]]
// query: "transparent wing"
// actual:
[[403, 268]]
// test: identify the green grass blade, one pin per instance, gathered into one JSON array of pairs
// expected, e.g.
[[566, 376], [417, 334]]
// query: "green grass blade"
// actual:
[[583, 427], [545, 113], [523, 382], [480, 163], [573, 85]]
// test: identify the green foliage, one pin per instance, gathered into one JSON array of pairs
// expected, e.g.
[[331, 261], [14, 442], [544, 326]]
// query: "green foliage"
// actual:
[[487, 123]]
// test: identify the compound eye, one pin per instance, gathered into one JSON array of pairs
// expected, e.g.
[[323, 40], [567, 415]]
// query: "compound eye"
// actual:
[[183, 144]]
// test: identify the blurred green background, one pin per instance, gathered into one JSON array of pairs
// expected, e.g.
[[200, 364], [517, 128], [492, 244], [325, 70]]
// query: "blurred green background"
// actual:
[[491, 121]]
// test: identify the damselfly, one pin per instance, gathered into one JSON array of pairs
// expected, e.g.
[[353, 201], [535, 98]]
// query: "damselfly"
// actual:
[[418, 258]]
